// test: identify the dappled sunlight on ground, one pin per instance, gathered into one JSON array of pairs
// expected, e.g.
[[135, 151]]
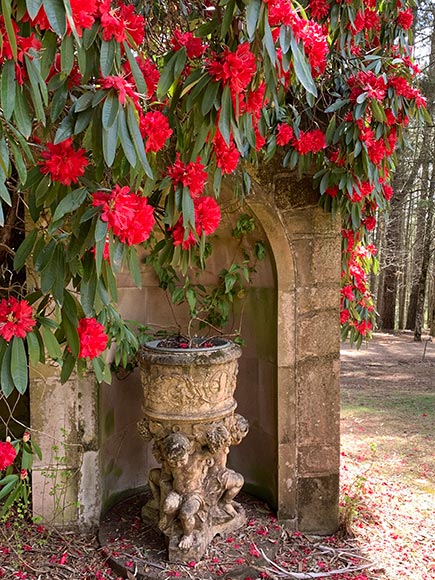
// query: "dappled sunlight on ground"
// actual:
[[388, 469]]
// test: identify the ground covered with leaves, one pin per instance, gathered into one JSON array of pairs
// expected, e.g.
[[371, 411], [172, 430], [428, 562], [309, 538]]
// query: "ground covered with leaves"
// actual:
[[388, 498]]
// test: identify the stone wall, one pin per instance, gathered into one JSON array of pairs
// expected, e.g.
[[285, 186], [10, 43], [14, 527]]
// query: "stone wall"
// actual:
[[288, 378]]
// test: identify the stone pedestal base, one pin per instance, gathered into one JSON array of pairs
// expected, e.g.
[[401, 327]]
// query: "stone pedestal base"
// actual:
[[189, 416]]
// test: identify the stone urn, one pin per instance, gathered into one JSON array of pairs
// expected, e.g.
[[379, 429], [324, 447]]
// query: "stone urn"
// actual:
[[189, 410]]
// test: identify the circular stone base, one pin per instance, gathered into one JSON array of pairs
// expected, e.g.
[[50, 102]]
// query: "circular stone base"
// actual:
[[136, 546]]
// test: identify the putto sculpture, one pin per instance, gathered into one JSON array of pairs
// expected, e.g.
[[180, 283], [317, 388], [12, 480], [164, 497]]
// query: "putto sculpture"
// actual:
[[193, 490]]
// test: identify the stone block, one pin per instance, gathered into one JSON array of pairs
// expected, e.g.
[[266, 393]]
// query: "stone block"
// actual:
[[317, 334], [321, 297], [318, 504], [318, 459], [318, 402]]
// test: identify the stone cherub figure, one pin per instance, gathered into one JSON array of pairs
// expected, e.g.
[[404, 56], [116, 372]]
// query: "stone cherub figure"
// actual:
[[177, 486]]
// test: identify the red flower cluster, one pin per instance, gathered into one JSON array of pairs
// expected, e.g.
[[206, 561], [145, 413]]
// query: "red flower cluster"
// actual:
[[93, 338], [365, 20], [121, 22], [207, 220], [63, 163], [83, 14], [405, 19], [284, 134], [319, 8], [367, 82], [310, 142], [150, 73], [234, 68], [7, 454], [123, 87], [227, 156], [154, 127], [194, 46], [191, 175], [16, 318], [128, 214]]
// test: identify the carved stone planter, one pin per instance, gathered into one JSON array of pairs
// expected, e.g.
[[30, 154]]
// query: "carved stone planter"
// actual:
[[189, 414]]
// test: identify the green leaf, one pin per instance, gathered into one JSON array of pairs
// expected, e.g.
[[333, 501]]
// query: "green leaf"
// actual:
[[137, 139], [56, 15], [133, 266], [167, 77], [65, 129], [8, 88], [19, 162], [110, 110], [10, 32], [252, 13], [110, 142], [228, 18], [68, 365], [51, 343], [209, 98], [70, 203], [9, 486], [302, 68], [226, 114], [24, 250], [71, 336], [22, 115], [67, 54], [84, 102], [33, 348], [33, 7], [6, 380], [19, 371], [107, 56], [124, 136], [268, 42], [137, 73]]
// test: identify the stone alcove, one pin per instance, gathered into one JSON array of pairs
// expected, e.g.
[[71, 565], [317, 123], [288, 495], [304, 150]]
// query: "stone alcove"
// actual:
[[287, 388]]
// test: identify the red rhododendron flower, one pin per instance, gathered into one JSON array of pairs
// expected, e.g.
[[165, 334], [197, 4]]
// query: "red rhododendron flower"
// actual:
[[194, 46], [16, 318], [83, 14], [207, 220], [284, 134], [369, 222], [179, 236], [151, 74], [310, 142], [281, 12], [123, 87], [119, 21], [332, 191], [377, 151], [387, 191], [319, 8], [344, 316], [367, 82], [207, 215], [227, 156], [234, 68], [63, 163], [155, 128], [405, 19], [255, 101], [93, 338], [191, 175], [7, 454], [347, 292], [127, 214]]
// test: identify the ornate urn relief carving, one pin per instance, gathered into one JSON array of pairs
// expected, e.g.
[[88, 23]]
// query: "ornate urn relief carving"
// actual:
[[189, 415]]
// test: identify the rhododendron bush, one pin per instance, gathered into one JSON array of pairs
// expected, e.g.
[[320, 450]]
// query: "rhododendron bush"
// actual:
[[119, 121]]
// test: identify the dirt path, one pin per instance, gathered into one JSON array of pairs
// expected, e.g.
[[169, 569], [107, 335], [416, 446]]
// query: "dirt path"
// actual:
[[388, 451]]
